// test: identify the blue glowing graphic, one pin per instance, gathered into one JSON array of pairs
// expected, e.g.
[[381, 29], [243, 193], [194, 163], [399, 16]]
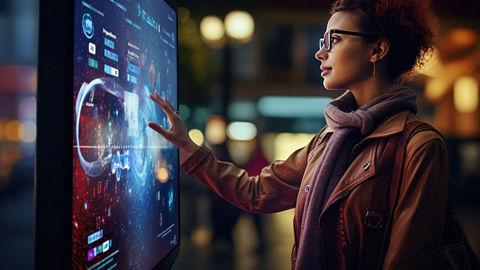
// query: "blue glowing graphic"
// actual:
[[87, 25], [125, 175], [170, 200]]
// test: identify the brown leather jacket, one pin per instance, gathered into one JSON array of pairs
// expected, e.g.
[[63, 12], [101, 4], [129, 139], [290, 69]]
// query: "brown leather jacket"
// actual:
[[417, 221]]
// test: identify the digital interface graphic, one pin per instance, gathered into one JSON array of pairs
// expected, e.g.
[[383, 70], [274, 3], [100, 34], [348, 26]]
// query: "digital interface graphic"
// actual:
[[125, 175]]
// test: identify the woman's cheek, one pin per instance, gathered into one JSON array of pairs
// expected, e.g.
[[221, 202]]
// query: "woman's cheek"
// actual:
[[354, 67]]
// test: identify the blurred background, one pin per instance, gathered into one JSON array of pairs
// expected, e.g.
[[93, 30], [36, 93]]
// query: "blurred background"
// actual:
[[251, 90]]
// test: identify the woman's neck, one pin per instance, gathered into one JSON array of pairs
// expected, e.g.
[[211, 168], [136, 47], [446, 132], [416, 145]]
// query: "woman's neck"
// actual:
[[370, 89]]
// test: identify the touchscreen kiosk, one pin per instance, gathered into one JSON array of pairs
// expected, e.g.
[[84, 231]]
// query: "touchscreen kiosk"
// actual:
[[122, 193]]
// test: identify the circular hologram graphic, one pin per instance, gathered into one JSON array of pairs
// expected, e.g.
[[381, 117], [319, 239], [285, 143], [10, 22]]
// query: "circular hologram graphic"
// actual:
[[112, 135], [94, 168], [87, 25]]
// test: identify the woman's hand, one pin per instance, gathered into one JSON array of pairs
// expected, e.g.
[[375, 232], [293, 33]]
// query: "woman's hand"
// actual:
[[177, 134]]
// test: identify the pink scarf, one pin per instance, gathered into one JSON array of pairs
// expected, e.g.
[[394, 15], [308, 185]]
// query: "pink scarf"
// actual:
[[351, 124]]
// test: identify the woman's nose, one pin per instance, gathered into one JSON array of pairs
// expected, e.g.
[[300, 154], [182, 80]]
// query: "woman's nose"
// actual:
[[320, 54]]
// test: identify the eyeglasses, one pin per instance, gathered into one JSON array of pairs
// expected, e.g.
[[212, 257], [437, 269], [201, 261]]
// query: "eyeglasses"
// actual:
[[327, 37]]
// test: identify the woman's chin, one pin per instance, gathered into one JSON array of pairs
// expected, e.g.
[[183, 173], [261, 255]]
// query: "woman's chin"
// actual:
[[330, 86]]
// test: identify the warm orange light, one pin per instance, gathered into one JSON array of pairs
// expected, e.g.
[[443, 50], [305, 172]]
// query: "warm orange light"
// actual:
[[462, 37], [14, 130], [435, 88], [215, 129], [1, 130], [465, 94], [161, 172]]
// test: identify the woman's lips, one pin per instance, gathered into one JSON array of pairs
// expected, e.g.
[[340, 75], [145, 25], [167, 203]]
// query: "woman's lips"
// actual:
[[325, 70]]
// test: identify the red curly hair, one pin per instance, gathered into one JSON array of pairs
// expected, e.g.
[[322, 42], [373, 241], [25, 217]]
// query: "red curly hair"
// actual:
[[407, 24]]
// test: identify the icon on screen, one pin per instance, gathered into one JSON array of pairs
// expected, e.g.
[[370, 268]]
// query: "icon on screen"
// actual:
[[91, 254], [93, 63], [106, 246], [110, 70], [92, 48], [87, 25]]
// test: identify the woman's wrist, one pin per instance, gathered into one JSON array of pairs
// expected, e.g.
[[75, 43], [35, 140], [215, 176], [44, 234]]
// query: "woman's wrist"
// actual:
[[187, 151], [191, 147], [184, 155]]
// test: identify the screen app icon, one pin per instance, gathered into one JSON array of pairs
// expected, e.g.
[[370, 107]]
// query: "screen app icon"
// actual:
[[87, 25], [106, 246], [92, 48]]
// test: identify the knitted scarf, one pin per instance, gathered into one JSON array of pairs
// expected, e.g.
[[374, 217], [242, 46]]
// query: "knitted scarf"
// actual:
[[350, 125]]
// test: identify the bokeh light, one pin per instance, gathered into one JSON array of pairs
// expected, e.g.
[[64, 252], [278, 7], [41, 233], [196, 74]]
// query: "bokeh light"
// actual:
[[239, 25], [30, 131], [241, 131], [215, 129], [462, 38], [465, 94], [211, 28], [14, 130], [196, 135], [161, 172]]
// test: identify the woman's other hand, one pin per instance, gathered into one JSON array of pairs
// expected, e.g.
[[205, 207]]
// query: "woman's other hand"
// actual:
[[178, 133]]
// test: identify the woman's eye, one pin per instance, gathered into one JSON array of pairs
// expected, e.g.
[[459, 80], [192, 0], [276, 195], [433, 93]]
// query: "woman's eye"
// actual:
[[335, 39]]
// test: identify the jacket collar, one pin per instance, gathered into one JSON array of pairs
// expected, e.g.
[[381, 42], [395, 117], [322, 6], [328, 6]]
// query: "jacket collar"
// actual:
[[363, 169]]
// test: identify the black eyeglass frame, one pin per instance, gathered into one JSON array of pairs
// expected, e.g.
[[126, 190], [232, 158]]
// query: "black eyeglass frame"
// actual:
[[328, 44]]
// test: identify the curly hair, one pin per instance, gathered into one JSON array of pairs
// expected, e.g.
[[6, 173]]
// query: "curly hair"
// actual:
[[406, 24]]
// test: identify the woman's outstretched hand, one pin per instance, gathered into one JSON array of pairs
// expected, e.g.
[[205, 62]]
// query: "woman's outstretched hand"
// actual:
[[177, 134]]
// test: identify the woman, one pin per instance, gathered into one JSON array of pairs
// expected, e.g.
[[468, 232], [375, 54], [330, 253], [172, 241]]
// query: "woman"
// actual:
[[367, 47]]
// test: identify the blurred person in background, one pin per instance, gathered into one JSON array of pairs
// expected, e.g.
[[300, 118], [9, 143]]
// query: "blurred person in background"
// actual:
[[348, 169]]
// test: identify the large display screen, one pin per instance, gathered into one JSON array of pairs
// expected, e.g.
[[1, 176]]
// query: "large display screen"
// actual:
[[125, 175]]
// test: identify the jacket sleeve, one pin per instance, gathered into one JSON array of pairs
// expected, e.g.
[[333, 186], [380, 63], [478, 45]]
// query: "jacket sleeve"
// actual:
[[274, 189], [419, 217]]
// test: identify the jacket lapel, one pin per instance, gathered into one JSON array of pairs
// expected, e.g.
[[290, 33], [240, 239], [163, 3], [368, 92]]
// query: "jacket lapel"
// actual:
[[364, 165]]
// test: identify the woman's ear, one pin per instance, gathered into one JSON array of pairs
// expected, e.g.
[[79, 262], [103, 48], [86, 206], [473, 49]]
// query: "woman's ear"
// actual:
[[380, 49]]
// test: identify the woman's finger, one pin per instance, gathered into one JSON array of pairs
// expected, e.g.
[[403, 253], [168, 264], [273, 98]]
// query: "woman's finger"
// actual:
[[166, 107], [159, 129], [163, 104], [156, 99], [169, 104]]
